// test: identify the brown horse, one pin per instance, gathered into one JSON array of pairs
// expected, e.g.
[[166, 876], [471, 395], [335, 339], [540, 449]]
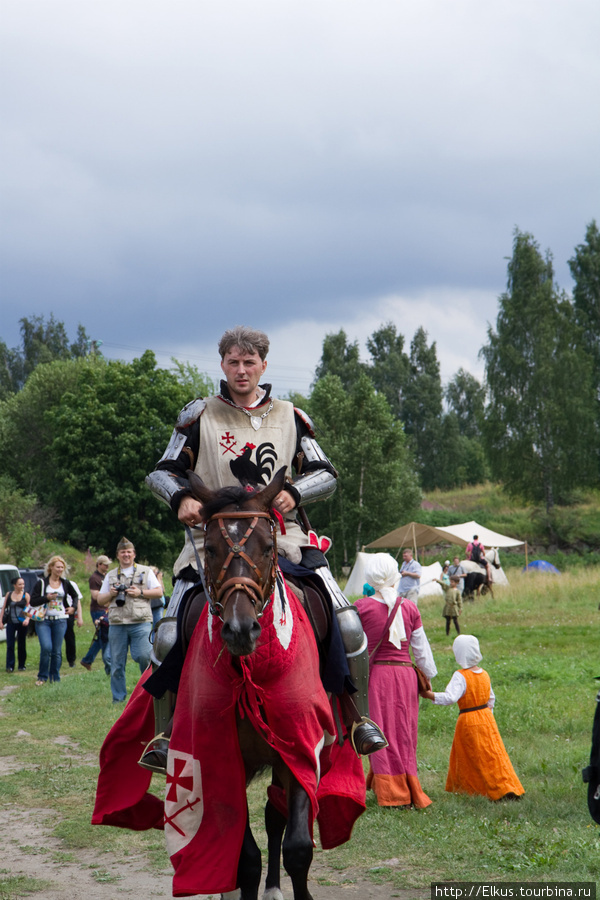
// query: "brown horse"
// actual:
[[240, 570]]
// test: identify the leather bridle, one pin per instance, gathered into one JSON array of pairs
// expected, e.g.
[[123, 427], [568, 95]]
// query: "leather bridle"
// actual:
[[258, 589]]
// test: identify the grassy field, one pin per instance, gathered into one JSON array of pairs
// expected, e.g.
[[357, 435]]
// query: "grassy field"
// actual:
[[539, 638]]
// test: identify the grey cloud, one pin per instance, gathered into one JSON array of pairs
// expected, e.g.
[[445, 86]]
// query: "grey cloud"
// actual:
[[207, 159]]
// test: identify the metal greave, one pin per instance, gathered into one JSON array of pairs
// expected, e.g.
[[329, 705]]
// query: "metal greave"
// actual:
[[353, 638]]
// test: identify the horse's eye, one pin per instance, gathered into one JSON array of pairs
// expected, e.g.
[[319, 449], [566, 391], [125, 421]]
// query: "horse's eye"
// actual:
[[268, 551], [209, 551]]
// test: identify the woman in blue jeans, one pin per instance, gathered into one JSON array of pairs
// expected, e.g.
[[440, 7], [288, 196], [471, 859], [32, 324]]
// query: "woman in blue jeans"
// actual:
[[59, 599]]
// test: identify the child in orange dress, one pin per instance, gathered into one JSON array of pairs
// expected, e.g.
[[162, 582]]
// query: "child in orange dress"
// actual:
[[479, 763]]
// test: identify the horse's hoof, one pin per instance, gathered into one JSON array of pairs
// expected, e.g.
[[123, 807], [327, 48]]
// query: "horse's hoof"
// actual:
[[154, 757], [366, 737], [272, 894]]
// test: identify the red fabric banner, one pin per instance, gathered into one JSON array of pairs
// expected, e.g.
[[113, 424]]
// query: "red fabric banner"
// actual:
[[122, 796], [279, 691]]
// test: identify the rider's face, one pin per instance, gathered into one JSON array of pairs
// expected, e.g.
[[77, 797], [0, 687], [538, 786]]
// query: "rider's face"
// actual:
[[243, 372]]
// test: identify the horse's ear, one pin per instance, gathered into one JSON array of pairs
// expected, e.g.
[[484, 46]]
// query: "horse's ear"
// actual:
[[199, 489], [267, 496]]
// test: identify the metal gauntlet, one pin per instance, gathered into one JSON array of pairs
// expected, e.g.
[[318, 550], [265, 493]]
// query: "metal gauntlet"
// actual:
[[317, 481], [164, 486]]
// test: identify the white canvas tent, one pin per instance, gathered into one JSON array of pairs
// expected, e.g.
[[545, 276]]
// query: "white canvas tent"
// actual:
[[416, 535], [430, 588], [354, 585]]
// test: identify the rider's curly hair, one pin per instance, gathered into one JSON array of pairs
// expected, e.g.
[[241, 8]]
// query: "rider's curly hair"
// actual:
[[249, 340]]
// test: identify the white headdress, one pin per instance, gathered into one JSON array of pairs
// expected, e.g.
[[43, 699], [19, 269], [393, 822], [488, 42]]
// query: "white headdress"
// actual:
[[381, 572], [466, 650]]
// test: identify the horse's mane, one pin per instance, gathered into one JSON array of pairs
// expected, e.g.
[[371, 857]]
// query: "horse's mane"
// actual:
[[227, 496]]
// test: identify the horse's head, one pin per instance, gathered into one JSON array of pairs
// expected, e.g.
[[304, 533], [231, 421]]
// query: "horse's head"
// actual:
[[493, 557], [240, 556]]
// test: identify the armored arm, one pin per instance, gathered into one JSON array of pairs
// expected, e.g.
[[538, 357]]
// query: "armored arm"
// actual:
[[316, 478], [169, 481]]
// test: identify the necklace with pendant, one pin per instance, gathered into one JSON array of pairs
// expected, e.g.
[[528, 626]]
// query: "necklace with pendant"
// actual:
[[255, 421]]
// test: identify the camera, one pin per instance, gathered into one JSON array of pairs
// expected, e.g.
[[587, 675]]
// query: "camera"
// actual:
[[120, 598]]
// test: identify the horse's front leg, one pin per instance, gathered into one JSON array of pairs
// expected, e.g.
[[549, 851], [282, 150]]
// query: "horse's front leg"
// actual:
[[249, 866], [275, 824], [297, 843]]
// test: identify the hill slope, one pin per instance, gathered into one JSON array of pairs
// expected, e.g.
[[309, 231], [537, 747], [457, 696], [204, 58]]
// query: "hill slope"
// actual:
[[569, 536]]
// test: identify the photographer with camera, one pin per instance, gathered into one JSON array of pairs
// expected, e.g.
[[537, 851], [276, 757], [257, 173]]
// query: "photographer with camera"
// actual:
[[127, 592]]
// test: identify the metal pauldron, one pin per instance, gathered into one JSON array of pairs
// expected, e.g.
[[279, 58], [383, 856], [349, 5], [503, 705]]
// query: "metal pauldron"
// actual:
[[190, 413], [313, 453]]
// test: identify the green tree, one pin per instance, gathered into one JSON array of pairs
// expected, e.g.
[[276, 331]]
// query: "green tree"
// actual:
[[340, 358], [585, 269], [460, 454], [377, 485], [540, 425], [110, 432], [196, 383], [11, 366], [459, 459], [466, 397], [41, 342], [44, 341], [422, 406], [23, 539], [17, 507], [389, 368], [28, 425]]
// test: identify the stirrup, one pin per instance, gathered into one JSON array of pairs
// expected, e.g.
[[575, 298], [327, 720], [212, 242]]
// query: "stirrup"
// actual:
[[366, 737], [154, 757]]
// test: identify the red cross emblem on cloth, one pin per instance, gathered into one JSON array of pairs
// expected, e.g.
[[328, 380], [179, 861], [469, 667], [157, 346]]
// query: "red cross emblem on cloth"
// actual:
[[184, 806], [228, 442]]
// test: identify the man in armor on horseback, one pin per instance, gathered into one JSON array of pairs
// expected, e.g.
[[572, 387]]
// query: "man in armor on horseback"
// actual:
[[242, 436]]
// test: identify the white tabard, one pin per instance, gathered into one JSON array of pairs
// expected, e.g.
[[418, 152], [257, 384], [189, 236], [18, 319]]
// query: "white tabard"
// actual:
[[231, 449]]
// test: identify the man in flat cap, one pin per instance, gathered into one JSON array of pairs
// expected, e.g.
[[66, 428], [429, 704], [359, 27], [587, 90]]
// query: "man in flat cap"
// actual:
[[127, 592]]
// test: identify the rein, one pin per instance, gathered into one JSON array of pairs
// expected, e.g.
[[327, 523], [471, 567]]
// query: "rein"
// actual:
[[257, 589]]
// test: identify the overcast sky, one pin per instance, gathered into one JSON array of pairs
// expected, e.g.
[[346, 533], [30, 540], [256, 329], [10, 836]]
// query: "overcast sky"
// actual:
[[173, 168]]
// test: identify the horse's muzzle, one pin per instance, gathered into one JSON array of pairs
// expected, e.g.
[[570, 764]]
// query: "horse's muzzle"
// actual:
[[240, 635]]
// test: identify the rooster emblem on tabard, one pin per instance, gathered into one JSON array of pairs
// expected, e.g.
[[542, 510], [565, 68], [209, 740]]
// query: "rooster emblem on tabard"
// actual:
[[257, 471]]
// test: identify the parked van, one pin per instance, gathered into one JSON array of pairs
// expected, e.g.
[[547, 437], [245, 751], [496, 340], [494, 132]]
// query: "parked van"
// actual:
[[31, 578]]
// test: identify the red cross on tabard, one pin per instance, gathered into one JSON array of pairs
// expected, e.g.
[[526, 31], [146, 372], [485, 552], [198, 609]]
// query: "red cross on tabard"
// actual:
[[228, 441], [170, 820], [176, 780]]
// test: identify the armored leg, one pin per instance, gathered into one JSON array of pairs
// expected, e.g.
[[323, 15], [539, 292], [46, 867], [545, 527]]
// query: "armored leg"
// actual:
[[154, 756], [365, 735]]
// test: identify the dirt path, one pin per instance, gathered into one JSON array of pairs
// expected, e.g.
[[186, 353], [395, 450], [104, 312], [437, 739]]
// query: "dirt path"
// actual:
[[31, 850], [89, 877]]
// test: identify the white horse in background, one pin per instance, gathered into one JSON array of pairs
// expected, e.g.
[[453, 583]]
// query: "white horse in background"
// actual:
[[492, 559], [491, 556]]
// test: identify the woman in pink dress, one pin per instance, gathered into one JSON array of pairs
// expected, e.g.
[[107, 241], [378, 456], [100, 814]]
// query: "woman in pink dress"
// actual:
[[393, 686]]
